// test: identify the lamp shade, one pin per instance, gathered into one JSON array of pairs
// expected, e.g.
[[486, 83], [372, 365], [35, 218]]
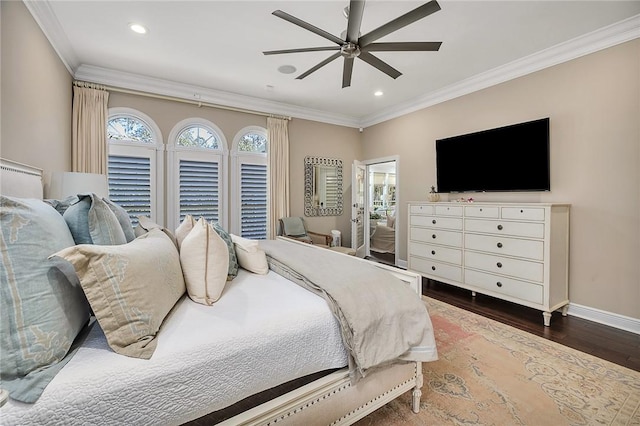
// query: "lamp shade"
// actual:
[[64, 184]]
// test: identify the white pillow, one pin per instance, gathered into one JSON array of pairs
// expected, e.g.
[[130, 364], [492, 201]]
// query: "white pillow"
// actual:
[[204, 257], [248, 245], [250, 256], [183, 229]]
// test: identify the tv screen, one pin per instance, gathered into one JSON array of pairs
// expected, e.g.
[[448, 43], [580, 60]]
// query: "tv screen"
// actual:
[[510, 158]]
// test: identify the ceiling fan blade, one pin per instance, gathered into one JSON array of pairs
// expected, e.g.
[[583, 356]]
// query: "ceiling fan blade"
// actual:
[[418, 46], [320, 65], [356, 9], [402, 21], [347, 70], [308, 26], [304, 49], [381, 65]]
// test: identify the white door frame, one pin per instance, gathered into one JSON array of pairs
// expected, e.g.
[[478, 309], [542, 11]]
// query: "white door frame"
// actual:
[[367, 236]]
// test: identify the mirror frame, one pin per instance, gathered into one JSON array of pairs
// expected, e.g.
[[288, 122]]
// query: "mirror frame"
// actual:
[[309, 163]]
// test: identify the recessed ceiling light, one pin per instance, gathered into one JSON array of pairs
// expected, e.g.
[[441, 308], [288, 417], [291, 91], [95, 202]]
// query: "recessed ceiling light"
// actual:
[[137, 28], [287, 69], [378, 93]]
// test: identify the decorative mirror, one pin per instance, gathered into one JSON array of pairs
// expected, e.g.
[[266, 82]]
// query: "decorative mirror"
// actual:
[[322, 186]]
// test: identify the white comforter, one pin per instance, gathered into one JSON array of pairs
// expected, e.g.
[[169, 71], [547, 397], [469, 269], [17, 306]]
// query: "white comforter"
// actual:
[[264, 330]]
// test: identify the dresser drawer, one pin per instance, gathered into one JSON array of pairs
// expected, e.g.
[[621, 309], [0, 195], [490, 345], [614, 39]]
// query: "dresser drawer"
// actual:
[[437, 222], [435, 269], [421, 209], [448, 210], [529, 249], [482, 211], [436, 236], [510, 287], [502, 227], [442, 254], [527, 213], [517, 268]]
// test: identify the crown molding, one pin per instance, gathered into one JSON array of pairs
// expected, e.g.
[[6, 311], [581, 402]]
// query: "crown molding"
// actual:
[[137, 82], [620, 32], [50, 26], [617, 33]]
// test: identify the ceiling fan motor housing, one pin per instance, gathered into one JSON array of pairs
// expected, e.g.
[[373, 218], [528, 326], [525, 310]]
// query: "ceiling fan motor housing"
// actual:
[[350, 50]]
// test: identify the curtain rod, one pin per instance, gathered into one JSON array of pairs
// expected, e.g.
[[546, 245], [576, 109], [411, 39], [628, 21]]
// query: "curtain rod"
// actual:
[[173, 98]]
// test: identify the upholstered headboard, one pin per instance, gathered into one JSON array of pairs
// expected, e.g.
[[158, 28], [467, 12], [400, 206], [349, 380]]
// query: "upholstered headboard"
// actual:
[[20, 180]]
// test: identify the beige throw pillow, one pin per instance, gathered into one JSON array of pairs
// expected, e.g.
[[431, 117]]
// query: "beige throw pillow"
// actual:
[[205, 261], [130, 287], [184, 228], [250, 256]]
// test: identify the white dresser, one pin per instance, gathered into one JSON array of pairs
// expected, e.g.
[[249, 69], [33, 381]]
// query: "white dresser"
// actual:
[[516, 252]]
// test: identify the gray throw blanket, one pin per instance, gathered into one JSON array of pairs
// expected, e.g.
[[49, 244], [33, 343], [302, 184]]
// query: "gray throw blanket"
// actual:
[[381, 318]]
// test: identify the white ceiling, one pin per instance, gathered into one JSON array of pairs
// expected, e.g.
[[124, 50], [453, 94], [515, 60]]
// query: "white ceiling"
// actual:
[[214, 48]]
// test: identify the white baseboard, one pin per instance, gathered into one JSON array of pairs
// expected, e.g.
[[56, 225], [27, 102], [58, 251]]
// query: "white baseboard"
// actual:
[[603, 317]]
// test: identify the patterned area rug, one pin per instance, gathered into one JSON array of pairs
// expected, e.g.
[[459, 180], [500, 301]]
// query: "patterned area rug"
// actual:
[[493, 374]]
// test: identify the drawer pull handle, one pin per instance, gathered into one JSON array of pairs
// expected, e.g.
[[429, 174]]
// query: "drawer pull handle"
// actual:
[[499, 227], [433, 252], [499, 264], [433, 236], [521, 211], [499, 284], [499, 244], [433, 221], [433, 268]]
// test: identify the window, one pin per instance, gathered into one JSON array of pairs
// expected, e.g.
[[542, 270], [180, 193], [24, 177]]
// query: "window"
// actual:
[[134, 171], [197, 157], [249, 183]]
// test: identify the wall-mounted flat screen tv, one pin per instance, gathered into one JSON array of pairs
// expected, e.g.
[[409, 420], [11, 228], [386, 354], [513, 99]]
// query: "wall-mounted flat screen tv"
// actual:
[[510, 158]]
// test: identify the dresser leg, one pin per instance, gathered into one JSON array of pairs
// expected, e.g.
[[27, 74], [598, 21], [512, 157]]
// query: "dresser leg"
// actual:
[[565, 309], [547, 318], [473, 294]]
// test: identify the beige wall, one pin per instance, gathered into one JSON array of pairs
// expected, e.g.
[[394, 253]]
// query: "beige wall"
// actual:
[[594, 106], [324, 140], [36, 92], [305, 138]]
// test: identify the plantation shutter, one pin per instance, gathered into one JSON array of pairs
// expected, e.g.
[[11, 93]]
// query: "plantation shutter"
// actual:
[[130, 184], [253, 201], [199, 189]]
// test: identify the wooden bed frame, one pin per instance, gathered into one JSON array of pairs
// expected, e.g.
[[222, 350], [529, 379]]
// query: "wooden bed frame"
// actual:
[[329, 400]]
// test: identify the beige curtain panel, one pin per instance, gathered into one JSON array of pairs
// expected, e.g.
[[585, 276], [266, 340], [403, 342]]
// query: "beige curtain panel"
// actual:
[[89, 132], [278, 131]]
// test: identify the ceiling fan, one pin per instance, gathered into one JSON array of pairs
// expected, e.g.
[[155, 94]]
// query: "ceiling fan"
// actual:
[[353, 45]]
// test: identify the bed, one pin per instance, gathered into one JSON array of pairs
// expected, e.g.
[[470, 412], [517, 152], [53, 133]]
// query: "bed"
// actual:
[[264, 330]]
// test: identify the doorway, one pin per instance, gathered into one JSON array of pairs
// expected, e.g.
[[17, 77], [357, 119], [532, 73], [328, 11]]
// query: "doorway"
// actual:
[[381, 212]]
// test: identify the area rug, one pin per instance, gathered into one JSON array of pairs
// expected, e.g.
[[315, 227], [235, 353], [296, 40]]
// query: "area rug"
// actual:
[[493, 374]]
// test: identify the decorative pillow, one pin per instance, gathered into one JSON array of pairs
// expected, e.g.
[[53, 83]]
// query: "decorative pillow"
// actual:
[[61, 206], [205, 263], [41, 313], [293, 226], [131, 288], [145, 225], [91, 221], [123, 218], [184, 228], [250, 256], [233, 260]]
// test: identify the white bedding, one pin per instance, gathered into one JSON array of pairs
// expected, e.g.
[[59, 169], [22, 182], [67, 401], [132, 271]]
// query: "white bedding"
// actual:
[[263, 331]]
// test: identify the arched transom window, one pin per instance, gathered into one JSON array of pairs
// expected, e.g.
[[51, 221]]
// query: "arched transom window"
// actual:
[[124, 127], [197, 136]]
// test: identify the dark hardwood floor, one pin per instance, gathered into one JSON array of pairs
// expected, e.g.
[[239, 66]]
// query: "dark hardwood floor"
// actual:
[[611, 344]]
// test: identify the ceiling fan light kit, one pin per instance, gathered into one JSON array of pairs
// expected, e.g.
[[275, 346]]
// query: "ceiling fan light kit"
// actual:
[[352, 45]]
